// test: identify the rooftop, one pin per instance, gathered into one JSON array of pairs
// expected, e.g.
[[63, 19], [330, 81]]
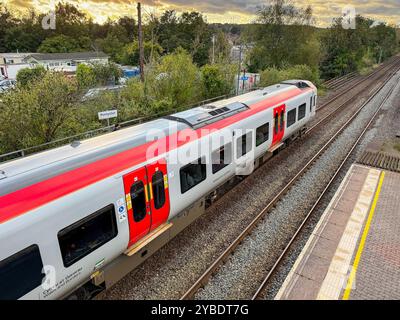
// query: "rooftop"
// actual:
[[68, 56]]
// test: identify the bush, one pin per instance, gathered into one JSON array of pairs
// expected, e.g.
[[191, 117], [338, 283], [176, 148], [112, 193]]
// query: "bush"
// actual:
[[218, 80], [38, 113], [85, 76], [272, 76], [27, 75]]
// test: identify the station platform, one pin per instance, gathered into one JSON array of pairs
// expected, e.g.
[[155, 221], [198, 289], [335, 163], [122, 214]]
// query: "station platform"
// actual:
[[354, 251]]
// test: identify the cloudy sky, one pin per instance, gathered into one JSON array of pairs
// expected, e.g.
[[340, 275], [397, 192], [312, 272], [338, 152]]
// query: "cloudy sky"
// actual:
[[232, 11]]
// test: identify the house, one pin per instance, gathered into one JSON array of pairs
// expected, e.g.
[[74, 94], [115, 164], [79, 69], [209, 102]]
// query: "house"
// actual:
[[66, 62], [11, 63]]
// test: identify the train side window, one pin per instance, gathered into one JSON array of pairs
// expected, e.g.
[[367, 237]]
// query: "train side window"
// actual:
[[87, 235], [158, 189], [221, 158], [21, 273], [244, 144], [193, 174], [262, 134], [276, 124], [315, 101], [282, 120], [291, 118], [138, 197], [302, 112]]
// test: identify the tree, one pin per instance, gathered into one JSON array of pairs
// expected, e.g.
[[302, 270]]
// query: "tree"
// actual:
[[282, 28], [106, 73], [274, 75], [177, 78], [218, 80], [27, 76], [38, 113], [59, 44], [130, 54], [86, 76]]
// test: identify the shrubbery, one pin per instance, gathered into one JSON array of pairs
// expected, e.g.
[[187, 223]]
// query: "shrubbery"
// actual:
[[272, 76]]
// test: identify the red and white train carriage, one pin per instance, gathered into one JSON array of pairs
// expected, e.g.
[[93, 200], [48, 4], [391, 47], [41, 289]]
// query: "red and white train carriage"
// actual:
[[81, 216]]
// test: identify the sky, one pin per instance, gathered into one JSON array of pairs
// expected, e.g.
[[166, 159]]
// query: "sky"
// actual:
[[224, 11]]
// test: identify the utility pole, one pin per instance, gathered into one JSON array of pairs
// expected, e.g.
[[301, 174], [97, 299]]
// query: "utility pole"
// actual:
[[213, 49], [239, 69], [141, 48]]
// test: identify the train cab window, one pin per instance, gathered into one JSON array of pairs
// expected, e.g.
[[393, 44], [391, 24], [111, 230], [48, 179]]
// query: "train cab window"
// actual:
[[302, 112], [221, 158], [193, 174], [21, 273], [315, 101], [244, 144], [262, 134], [158, 189], [138, 197], [291, 118], [87, 235]]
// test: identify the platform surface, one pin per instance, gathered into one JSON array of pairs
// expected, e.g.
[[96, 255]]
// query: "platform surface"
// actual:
[[354, 251]]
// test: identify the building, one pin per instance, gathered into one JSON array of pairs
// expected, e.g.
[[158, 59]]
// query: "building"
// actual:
[[11, 63], [66, 62]]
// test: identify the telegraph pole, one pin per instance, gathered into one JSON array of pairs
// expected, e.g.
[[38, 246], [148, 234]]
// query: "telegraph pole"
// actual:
[[239, 69], [141, 48], [213, 49]]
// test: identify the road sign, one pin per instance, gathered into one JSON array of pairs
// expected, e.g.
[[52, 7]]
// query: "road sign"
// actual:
[[108, 114], [244, 78]]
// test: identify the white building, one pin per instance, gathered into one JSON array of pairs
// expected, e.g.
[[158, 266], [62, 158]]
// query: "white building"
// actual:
[[11, 63], [66, 62]]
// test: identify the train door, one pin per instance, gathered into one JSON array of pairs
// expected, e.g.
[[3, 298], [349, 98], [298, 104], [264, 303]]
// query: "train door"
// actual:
[[159, 193], [279, 124], [147, 199]]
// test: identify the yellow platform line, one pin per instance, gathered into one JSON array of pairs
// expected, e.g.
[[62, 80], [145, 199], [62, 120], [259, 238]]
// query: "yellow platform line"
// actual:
[[353, 272]]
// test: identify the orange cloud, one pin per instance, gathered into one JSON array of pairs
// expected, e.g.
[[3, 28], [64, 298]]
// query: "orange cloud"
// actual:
[[234, 11]]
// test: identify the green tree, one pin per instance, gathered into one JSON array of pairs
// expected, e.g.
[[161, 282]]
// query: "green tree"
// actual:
[[274, 75], [281, 30], [106, 73], [86, 76], [218, 80], [27, 76], [177, 78], [59, 44], [130, 54], [38, 113]]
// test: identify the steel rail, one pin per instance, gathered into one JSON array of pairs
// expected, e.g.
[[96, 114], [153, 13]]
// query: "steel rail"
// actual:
[[204, 278], [392, 63], [285, 251]]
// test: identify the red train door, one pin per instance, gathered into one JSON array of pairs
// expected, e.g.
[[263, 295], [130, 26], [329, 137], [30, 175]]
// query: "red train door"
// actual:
[[159, 193], [279, 124], [147, 199]]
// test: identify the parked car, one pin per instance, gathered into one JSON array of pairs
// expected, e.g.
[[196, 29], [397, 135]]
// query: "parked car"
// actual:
[[95, 92], [7, 84]]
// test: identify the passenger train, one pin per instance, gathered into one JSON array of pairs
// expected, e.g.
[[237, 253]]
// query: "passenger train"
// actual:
[[76, 219]]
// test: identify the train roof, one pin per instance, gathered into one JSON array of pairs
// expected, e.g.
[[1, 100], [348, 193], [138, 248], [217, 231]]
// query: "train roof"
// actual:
[[24, 172]]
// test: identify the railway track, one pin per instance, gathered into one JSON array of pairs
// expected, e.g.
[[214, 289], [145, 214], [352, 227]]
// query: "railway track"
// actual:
[[259, 293], [214, 267], [142, 284], [385, 67], [336, 83]]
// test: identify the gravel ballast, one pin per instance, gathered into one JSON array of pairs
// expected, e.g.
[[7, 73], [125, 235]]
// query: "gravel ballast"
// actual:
[[174, 268], [244, 272]]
